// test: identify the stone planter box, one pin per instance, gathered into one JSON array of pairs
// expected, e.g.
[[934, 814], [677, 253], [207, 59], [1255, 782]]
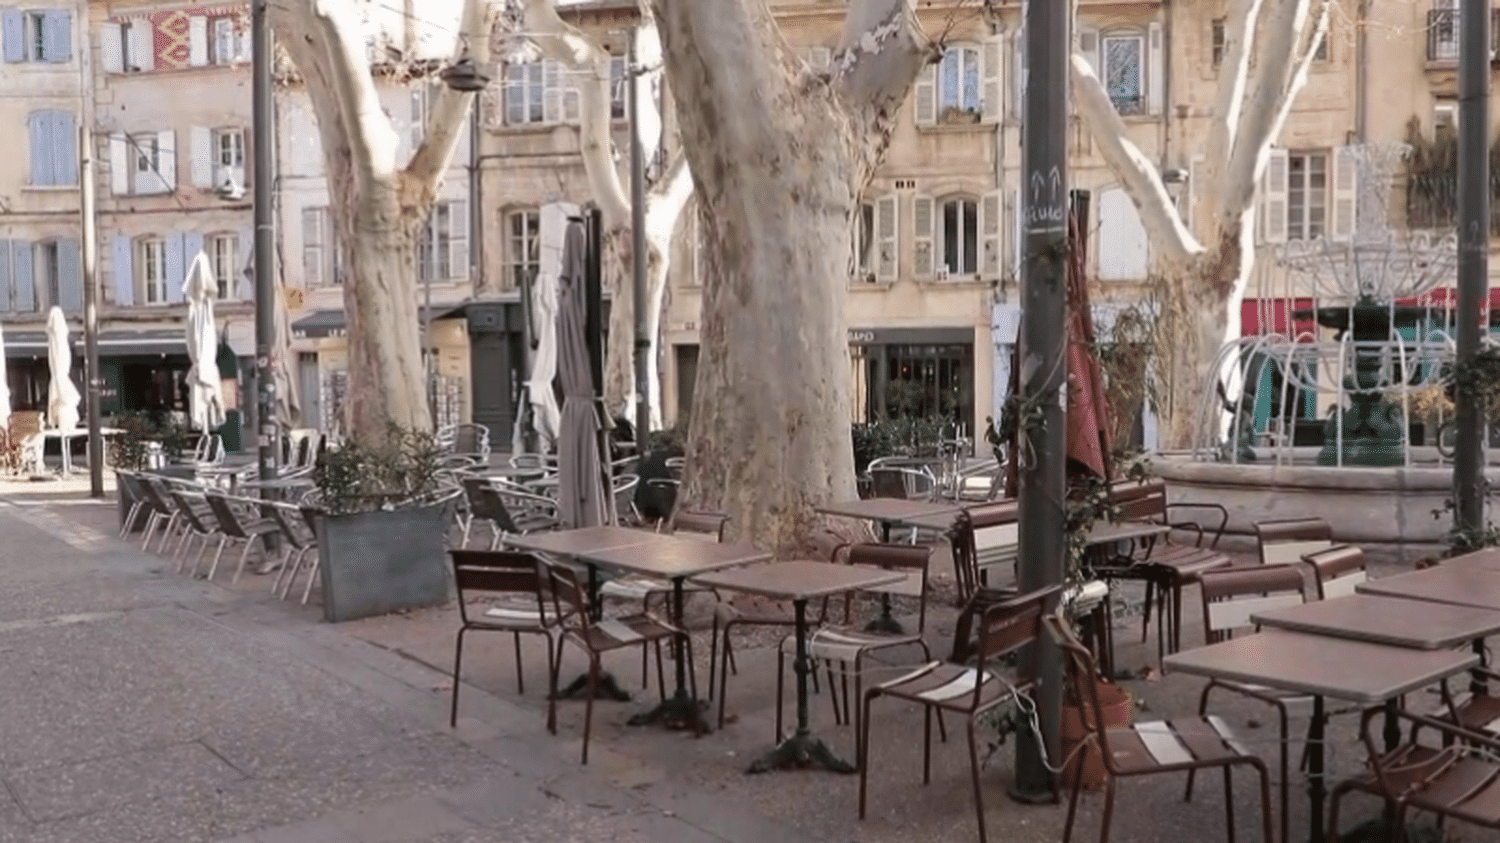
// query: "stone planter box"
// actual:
[[374, 563]]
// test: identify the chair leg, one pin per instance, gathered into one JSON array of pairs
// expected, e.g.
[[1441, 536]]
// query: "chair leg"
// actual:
[[1229, 801], [1265, 807], [244, 554], [661, 677], [1284, 788], [1072, 803], [926, 744], [218, 553], [713, 652], [724, 676], [312, 576], [780, 684], [1109, 808], [458, 660], [554, 667], [520, 678], [1146, 612], [588, 705], [974, 772], [863, 755]]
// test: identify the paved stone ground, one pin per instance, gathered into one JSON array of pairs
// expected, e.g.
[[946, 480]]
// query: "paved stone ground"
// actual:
[[141, 705]]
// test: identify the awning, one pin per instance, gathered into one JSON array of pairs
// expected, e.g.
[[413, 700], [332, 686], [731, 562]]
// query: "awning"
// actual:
[[112, 343], [331, 323]]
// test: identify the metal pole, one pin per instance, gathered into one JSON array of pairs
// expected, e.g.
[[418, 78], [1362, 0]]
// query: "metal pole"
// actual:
[[88, 257], [265, 281], [638, 261], [1473, 252], [1043, 366]]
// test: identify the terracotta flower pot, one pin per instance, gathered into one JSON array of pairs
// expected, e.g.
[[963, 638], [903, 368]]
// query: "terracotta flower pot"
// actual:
[[1115, 706]]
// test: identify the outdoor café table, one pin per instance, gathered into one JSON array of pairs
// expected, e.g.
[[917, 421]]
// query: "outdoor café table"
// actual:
[[575, 546], [890, 513], [1488, 558], [1322, 666], [1452, 582], [676, 559], [1386, 620], [800, 582]]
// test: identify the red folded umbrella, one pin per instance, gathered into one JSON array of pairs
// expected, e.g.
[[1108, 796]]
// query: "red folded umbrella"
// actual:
[[1088, 408]]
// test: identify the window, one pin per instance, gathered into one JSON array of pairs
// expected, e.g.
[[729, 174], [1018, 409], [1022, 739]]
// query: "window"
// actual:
[[618, 80], [223, 256], [523, 247], [151, 269], [37, 36], [864, 242], [1216, 39], [54, 149], [230, 43], [1123, 64], [958, 86], [525, 93], [322, 259], [1306, 195], [1321, 54], [443, 252], [1445, 115], [48, 274], [960, 237], [229, 156]]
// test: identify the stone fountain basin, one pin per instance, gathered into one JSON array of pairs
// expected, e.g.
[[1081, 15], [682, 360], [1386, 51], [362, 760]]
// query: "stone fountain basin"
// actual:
[[1386, 511]]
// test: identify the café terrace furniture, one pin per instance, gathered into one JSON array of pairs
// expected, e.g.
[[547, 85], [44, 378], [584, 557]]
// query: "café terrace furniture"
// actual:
[[889, 513], [1289, 539], [517, 580], [1337, 570]]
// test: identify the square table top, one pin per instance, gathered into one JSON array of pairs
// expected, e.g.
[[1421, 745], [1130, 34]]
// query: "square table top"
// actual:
[[800, 580], [892, 511], [1357, 671], [678, 556], [1488, 558], [584, 540], [1460, 585], [1386, 620]]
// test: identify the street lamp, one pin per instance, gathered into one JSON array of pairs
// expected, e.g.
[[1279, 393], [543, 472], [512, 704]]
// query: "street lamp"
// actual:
[[464, 75]]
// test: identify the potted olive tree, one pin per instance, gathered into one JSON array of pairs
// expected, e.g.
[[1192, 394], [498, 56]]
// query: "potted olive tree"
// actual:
[[383, 510]]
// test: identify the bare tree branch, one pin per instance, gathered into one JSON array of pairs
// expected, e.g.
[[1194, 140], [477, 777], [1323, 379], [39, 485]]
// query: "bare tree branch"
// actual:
[[881, 48], [431, 159], [565, 43], [1307, 53], [1131, 166], [1234, 69], [668, 197]]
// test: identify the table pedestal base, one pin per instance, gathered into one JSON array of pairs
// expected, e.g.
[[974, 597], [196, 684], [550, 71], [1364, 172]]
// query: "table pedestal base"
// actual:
[[885, 623], [801, 751], [608, 689], [678, 711]]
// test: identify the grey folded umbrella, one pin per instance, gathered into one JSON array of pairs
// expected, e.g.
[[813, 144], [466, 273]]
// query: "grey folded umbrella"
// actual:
[[582, 498]]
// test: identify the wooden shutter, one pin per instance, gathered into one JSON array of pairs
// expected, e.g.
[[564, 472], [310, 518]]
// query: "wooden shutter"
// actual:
[[922, 240], [175, 267], [552, 92], [312, 248], [1197, 173], [21, 275], [166, 160], [1018, 72], [111, 50], [198, 40], [4, 276], [1017, 235], [142, 52], [57, 35], [69, 277], [1156, 74], [925, 98], [247, 264], [201, 159], [120, 263], [39, 133], [1274, 199], [65, 149], [992, 108], [989, 235], [1344, 181], [458, 239], [119, 164], [12, 34], [887, 238]]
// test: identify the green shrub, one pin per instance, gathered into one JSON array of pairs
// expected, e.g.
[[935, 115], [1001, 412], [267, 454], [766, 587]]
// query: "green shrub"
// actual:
[[357, 476]]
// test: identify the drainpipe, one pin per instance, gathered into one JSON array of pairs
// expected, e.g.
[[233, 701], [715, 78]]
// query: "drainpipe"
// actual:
[[1361, 73], [1166, 85], [476, 195]]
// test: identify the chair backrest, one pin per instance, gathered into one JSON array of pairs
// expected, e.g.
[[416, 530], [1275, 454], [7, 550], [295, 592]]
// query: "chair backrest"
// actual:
[[889, 481], [472, 439], [1005, 628], [1232, 595], [285, 516], [1288, 539], [229, 522], [916, 560], [1337, 570], [474, 493], [1083, 678], [156, 491], [1140, 501], [570, 602], [182, 502], [494, 508], [699, 521], [310, 515], [827, 544], [496, 572]]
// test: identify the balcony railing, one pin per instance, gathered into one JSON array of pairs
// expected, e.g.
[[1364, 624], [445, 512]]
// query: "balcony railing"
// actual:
[[1443, 31], [1128, 106]]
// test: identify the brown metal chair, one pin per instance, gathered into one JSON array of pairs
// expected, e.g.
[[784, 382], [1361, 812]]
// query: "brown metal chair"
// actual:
[[1230, 596], [1143, 749], [982, 537], [845, 646], [1337, 570], [1289, 539], [1459, 778], [965, 691], [508, 574], [595, 638]]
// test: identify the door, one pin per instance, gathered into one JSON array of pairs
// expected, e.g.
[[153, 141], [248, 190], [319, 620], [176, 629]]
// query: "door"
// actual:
[[686, 361], [308, 382], [490, 369]]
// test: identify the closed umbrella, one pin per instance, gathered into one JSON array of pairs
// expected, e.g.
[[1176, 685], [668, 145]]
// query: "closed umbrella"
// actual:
[[62, 395], [581, 496], [205, 391], [1088, 407], [283, 374], [4, 387]]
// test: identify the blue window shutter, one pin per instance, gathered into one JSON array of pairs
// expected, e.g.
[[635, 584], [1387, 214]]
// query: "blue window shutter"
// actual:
[[69, 276], [13, 35], [65, 148], [57, 35], [20, 267], [175, 266], [124, 272], [39, 131], [4, 276]]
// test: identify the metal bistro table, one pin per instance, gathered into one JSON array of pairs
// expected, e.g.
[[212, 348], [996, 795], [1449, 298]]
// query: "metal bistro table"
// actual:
[[800, 582], [1386, 620], [1322, 666], [575, 546], [889, 513], [676, 559]]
